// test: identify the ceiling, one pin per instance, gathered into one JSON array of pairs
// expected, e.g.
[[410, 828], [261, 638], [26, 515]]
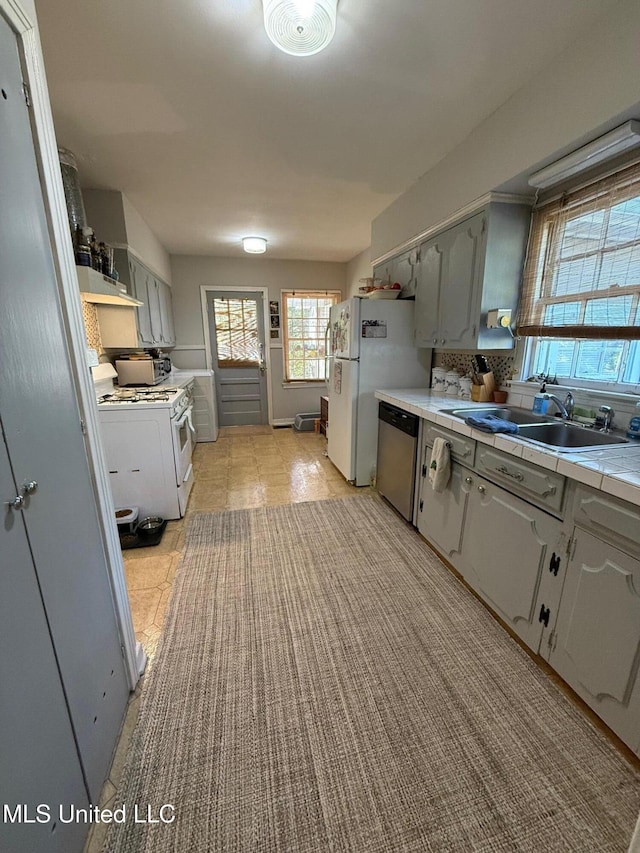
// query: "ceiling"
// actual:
[[213, 134]]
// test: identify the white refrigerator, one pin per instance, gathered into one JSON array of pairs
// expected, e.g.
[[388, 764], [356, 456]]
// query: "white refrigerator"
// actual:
[[371, 347]]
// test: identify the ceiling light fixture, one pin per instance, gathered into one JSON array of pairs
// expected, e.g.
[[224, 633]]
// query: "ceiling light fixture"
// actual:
[[300, 27], [599, 151], [254, 245]]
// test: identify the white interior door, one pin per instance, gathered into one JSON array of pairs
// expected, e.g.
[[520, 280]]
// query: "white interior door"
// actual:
[[43, 433]]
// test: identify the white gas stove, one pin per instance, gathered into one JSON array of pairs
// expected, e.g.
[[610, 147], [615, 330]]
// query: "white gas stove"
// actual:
[[148, 437]]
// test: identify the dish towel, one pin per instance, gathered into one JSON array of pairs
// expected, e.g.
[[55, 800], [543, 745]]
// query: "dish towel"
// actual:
[[440, 465], [490, 423]]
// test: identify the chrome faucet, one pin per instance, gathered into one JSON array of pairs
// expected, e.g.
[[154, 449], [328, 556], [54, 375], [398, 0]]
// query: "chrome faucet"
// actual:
[[604, 419], [566, 408]]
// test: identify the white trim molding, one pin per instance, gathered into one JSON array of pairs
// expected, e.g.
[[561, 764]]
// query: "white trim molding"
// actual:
[[46, 149], [460, 214], [264, 292]]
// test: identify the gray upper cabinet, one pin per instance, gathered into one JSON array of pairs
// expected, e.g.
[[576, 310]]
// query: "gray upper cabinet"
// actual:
[[466, 271], [166, 314], [154, 317], [404, 269]]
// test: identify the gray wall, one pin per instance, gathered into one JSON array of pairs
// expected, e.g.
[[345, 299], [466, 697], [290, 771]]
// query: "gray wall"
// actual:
[[357, 268], [590, 88], [190, 272]]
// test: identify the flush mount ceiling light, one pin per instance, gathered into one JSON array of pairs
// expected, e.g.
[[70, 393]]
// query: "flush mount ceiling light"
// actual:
[[599, 151], [300, 27], [254, 245]]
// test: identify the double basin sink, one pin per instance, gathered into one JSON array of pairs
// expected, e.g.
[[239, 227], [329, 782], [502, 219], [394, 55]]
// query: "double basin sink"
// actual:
[[561, 436]]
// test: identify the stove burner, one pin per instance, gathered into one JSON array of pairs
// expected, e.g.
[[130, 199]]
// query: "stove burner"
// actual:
[[138, 395]]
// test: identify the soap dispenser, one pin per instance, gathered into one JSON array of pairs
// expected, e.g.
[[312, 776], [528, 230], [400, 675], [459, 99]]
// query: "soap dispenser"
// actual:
[[634, 427], [541, 401]]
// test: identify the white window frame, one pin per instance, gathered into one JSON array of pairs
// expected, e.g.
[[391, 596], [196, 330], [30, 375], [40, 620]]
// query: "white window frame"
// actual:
[[528, 362], [302, 293]]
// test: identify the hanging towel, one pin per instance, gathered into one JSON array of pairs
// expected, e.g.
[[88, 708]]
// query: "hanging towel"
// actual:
[[440, 465], [490, 423]]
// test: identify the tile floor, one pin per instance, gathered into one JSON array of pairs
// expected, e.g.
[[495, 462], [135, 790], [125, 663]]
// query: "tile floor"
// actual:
[[246, 467]]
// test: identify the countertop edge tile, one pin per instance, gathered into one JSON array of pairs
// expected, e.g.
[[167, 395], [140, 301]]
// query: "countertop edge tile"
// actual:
[[577, 472]]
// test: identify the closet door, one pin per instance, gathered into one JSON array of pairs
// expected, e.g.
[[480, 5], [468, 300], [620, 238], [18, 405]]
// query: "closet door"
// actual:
[[44, 437], [40, 763]]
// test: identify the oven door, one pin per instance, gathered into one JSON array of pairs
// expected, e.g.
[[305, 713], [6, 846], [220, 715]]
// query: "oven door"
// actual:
[[182, 427]]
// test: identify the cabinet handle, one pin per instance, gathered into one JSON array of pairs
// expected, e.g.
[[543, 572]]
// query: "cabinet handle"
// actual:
[[443, 341], [504, 470], [435, 340], [16, 503], [482, 490], [30, 487], [468, 480]]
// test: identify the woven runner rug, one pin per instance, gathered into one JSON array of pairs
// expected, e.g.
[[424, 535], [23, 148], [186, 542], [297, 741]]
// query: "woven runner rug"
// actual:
[[324, 683]]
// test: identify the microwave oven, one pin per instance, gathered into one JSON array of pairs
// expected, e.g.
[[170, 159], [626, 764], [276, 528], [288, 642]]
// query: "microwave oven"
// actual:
[[142, 371]]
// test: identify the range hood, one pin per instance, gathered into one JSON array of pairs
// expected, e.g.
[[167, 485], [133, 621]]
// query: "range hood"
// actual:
[[103, 290]]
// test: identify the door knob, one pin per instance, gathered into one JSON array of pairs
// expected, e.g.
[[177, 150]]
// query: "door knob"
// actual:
[[16, 503], [30, 487]]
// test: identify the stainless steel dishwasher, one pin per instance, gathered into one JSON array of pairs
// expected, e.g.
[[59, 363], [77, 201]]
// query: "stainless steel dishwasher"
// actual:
[[396, 467]]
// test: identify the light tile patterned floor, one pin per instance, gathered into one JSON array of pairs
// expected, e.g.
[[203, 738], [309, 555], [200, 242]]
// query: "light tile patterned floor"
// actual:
[[246, 467]]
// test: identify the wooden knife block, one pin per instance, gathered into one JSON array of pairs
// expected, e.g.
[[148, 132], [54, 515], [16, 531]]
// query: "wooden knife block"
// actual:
[[484, 393]]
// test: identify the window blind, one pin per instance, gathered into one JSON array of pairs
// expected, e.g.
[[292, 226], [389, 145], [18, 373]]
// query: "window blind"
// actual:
[[582, 276]]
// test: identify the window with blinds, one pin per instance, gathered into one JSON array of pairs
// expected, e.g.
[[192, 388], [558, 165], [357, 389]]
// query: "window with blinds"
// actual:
[[237, 333], [582, 277], [581, 287], [305, 316]]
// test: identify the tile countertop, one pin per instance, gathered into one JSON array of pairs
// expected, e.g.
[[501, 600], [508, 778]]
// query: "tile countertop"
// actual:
[[615, 470]]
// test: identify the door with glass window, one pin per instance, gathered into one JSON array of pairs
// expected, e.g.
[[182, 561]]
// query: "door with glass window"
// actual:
[[236, 330]]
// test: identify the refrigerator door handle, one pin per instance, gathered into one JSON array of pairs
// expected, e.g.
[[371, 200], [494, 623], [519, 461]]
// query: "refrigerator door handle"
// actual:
[[327, 350]]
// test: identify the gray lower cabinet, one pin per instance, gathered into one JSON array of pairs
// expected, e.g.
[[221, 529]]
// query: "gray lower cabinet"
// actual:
[[596, 641], [464, 272], [441, 514], [513, 556]]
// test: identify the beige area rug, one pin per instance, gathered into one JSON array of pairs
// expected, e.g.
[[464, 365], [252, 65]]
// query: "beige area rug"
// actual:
[[325, 684]]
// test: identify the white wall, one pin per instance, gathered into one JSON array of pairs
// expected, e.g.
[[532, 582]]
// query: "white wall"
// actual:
[[116, 221], [590, 88], [190, 272], [357, 268]]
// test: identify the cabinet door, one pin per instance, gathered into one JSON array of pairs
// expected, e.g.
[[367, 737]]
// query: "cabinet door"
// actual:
[[509, 552], [139, 285], [596, 647], [428, 292], [40, 763], [155, 311], [404, 270], [458, 309], [441, 514], [166, 311]]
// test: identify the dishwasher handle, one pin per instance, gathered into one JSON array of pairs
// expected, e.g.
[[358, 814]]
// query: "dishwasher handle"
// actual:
[[403, 421]]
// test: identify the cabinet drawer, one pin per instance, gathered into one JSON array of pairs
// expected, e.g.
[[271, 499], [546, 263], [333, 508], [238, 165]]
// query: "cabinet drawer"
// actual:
[[542, 487], [462, 448], [610, 518]]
